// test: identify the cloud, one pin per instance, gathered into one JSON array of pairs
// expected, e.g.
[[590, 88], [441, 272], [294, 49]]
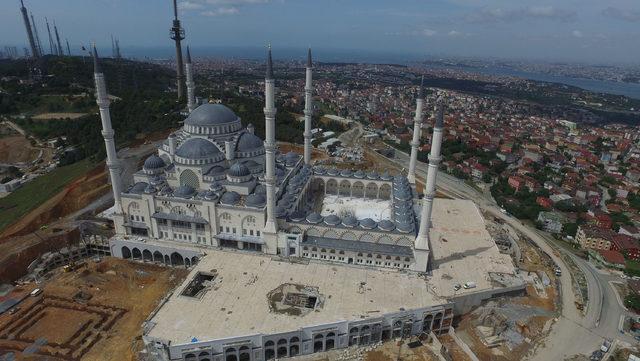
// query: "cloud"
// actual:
[[189, 5], [427, 32], [454, 33], [236, 2], [493, 15], [622, 14], [421, 32], [221, 11], [577, 34]]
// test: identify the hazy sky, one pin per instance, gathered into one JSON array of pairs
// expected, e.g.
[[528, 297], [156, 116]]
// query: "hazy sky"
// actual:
[[579, 30]]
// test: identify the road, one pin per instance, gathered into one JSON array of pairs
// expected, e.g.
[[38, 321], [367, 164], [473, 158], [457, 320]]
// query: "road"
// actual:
[[573, 333]]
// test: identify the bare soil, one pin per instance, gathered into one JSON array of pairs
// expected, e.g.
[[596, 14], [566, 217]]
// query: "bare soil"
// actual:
[[106, 327], [49, 116], [16, 149]]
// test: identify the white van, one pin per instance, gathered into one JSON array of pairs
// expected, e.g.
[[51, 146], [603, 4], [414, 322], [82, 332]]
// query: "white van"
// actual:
[[35, 292]]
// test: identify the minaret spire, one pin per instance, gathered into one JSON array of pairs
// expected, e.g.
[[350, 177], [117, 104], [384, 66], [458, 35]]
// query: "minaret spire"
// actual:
[[421, 246], [55, 29], [191, 87], [32, 43], [308, 108], [417, 129], [107, 131], [177, 34], [271, 227]]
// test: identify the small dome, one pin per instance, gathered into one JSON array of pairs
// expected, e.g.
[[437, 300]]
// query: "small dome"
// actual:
[[197, 148], [255, 200], [346, 173], [319, 170], [368, 223], [297, 216], [154, 162], [332, 220], [386, 176], [239, 170], [332, 171], [211, 114], [138, 188], [314, 218], [150, 189], [260, 189], [215, 170], [405, 227], [210, 195], [291, 156], [248, 142], [350, 221], [372, 175], [216, 187], [230, 198], [359, 174], [184, 191], [386, 225]]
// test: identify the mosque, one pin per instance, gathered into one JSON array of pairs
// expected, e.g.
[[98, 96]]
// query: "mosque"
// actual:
[[277, 269]]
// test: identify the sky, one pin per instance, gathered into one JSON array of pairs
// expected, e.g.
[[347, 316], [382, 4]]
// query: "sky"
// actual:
[[586, 31]]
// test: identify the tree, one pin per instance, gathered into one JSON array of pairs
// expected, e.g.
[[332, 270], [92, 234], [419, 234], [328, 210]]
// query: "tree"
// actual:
[[570, 229], [632, 300]]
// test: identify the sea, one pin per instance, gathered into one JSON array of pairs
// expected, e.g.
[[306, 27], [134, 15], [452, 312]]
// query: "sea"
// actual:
[[631, 90]]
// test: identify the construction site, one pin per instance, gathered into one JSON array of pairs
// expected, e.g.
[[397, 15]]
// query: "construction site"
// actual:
[[92, 311]]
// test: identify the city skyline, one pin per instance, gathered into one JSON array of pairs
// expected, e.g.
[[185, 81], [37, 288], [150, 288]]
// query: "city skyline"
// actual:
[[576, 31]]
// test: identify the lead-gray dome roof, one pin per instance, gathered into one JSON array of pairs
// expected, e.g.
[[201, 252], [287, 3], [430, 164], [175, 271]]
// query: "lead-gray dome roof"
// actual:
[[255, 200], [211, 114], [248, 142], [196, 148], [230, 198], [154, 162], [332, 220], [239, 170], [184, 191]]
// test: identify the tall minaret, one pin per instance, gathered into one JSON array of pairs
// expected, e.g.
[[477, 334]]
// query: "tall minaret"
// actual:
[[35, 33], [271, 226], [107, 132], [191, 86], [177, 34], [51, 43], [422, 240], [55, 30], [32, 42], [308, 109], [417, 130]]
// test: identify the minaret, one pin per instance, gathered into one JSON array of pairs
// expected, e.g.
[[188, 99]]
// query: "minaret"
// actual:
[[35, 33], [51, 44], [271, 226], [422, 240], [107, 132], [417, 130], [177, 34], [308, 109], [32, 42], [191, 86], [55, 30]]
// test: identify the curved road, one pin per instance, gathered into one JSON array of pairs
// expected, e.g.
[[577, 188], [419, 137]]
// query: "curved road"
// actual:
[[572, 334]]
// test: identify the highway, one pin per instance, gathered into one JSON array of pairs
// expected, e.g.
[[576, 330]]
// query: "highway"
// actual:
[[573, 333]]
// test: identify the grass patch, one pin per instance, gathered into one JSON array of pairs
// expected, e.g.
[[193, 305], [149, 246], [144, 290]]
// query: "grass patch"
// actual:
[[38, 191], [632, 268]]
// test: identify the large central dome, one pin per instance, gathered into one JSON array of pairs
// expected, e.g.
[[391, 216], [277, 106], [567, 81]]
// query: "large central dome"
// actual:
[[211, 114]]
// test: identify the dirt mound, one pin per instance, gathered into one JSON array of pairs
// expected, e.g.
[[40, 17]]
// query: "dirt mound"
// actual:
[[75, 196]]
